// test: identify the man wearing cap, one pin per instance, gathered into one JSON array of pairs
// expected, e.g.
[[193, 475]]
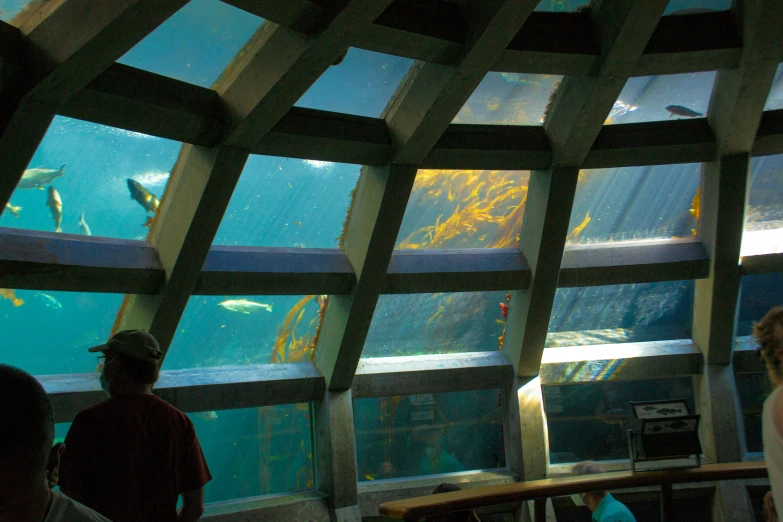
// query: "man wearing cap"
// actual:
[[132, 456]]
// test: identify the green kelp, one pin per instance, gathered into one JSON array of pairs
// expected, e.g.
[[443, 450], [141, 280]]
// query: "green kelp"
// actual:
[[290, 348]]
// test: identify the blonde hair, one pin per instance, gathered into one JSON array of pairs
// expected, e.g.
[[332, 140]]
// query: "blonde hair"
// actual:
[[768, 333]]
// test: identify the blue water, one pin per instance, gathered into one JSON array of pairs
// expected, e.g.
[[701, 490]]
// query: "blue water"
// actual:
[[196, 43], [645, 98], [775, 97], [509, 99]]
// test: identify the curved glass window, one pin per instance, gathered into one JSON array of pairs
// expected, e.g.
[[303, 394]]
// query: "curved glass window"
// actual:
[[635, 203], [362, 84], [764, 215], [46, 332], [561, 5], [89, 166], [282, 202], [428, 434], [758, 294], [676, 7], [196, 44], [241, 330], [621, 314], [256, 451], [423, 324], [775, 97], [664, 97], [464, 209], [588, 421], [10, 8], [510, 99], [753, 389]]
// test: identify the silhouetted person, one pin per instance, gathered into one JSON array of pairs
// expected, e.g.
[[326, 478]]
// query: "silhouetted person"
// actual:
[[769, 336], [604, 506], [457, 516], [28, 462], [131, 457]]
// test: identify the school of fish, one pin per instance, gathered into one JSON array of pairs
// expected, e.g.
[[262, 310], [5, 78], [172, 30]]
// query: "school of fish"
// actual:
[[42, 179]]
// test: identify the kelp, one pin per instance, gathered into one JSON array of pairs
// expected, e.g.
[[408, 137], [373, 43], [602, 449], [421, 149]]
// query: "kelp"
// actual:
[[290, 348], [10, 295]]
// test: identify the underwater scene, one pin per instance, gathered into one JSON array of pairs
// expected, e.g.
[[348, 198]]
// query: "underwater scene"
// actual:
[[88, 180], [428, 434]]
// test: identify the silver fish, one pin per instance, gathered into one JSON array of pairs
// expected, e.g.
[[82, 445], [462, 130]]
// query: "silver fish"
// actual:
[[49, 301], [39, 177], [84, 227], [244, 306], [13, 209]]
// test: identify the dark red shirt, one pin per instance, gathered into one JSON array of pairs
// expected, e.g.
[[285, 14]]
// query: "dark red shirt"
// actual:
[[129, 458]]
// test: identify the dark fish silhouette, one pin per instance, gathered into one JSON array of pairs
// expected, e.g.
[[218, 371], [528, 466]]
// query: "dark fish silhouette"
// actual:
[[144, 197], [55, 204], [669, 411], [676, 425], [679, 110]]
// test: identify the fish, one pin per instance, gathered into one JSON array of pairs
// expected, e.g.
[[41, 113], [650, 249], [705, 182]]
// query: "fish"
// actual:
[[13, 209], [679, 110], [49, 301], [142, 196], [84, 227], [39, 177], [298, 245], [55, 204], [244, 306], [579, 228], [10, 295], [208, 416], [298, 223], [669, 411]]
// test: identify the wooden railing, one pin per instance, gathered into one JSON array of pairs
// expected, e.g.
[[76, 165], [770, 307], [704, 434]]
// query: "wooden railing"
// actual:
[[540, 490]]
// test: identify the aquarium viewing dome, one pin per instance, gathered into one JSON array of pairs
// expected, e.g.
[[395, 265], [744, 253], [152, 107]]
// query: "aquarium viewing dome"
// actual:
[[366, 232]]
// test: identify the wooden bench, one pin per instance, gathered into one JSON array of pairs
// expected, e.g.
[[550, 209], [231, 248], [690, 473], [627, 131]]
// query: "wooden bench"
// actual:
[[540, 490]]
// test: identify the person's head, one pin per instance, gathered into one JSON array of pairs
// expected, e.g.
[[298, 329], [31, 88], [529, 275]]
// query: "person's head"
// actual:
[[432, 436], [457, 516], [29, 465], [593, 498], [132, 362], [769, 336]]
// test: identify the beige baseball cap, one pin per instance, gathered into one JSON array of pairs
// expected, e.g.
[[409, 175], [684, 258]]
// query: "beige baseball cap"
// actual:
[[134, 343]]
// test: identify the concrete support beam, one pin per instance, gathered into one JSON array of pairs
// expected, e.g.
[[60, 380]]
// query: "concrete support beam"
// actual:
[[435, 93], [376, 214], [533, 428], [387, 376], [549, 200], [620, 362], [199, 389], [336, 452], [724, 193], [58, 63], [197, 195]]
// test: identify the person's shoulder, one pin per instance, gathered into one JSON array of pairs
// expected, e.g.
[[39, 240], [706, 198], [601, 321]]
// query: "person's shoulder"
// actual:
[[91, 412], [66, 509], [618, 512], [179, 417]]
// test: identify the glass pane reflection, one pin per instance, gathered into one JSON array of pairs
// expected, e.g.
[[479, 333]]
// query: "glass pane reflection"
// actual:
[[621, 314], [587, 421], [421, 324], [412, 435]]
